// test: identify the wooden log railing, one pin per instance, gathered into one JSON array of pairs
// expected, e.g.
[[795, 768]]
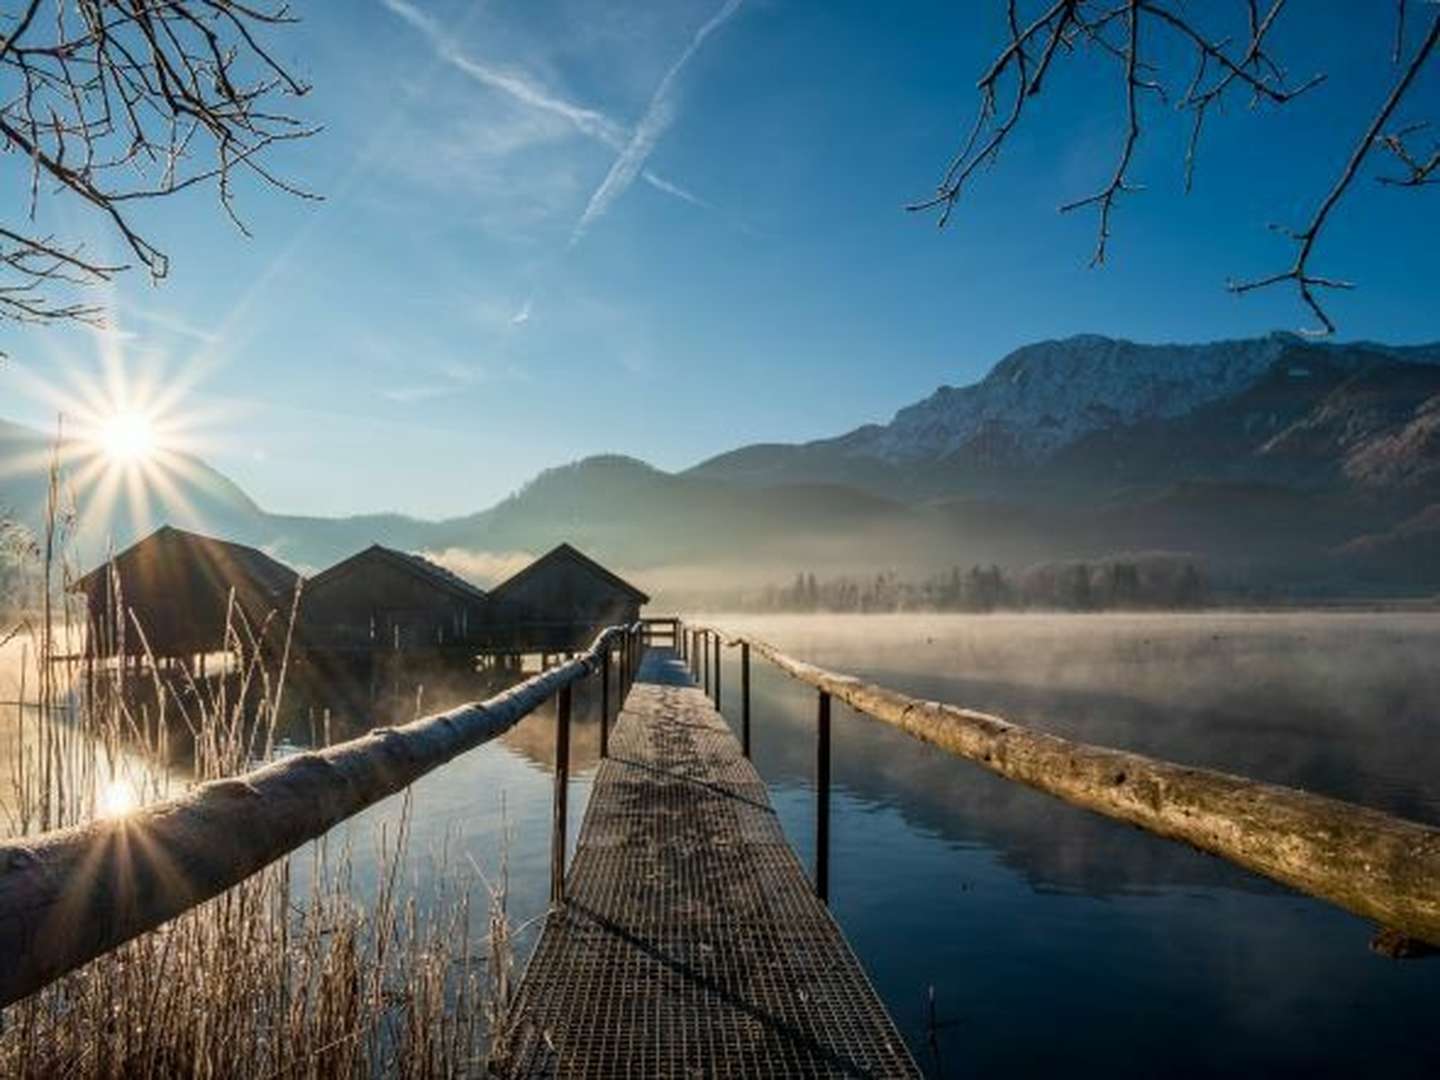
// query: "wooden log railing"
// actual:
[[71, 895], [1372, 864]]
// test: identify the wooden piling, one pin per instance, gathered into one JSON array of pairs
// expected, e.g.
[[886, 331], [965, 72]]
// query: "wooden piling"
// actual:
[[562, 795], [822, 797], [605, 703], [745, 697]]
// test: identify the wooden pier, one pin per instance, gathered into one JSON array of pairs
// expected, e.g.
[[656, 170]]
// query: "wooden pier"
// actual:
[[690, 941], [685, 938]]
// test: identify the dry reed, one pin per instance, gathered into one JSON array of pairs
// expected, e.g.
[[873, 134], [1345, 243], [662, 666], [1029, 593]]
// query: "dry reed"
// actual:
[[270, 979]]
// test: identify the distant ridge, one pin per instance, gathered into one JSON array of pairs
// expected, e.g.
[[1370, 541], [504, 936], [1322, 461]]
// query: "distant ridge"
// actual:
[[1312, 467], [1044, 397]]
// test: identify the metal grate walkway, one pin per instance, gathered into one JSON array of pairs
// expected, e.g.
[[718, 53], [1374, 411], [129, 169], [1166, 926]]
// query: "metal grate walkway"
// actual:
[[691, 943]]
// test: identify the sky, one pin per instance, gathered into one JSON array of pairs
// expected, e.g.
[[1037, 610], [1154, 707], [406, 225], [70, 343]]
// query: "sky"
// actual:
[[556, 229]]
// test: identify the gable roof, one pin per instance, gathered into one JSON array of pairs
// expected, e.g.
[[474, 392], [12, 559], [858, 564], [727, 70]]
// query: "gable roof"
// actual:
[[564, 552], [416, 565], [229, 559]]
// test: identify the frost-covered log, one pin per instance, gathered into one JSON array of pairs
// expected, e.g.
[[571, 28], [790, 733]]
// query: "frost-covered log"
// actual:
[[1370, 863], [69, 896]]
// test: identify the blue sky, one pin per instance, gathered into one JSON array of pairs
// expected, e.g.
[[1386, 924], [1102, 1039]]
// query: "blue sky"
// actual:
[[557, 229]]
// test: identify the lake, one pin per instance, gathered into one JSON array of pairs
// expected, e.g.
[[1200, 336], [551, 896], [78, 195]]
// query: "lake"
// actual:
[[1058, 940], [1051, 939]]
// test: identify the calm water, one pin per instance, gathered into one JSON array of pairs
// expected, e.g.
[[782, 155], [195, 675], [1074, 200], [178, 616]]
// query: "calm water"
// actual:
[[1053, 939]]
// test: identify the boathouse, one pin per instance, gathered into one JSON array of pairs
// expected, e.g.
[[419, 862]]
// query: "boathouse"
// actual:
[[178, 587], [384, 599], [558, 603]]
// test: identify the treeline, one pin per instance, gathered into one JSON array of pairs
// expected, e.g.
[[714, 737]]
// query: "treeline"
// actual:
[[20, 574], [1153, 582]]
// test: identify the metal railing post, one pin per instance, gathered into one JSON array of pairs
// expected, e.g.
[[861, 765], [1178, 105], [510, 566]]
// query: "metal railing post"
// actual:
[[705, 659], [562, 785], [822, 799], [605, 703], [745, 697], [718, 643]]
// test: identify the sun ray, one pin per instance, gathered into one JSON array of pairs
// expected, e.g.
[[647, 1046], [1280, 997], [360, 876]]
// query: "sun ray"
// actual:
[[128, 433], [127, 438]]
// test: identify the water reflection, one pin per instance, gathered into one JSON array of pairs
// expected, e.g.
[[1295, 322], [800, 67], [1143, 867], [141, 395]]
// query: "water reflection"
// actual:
[[1056, 939], [326, 704], [487, 808], [1053, 939]]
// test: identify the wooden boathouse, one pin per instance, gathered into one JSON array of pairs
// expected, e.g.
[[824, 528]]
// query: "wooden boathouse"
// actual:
[[381, 599], [557, 604], [684, 938], [177, 586]]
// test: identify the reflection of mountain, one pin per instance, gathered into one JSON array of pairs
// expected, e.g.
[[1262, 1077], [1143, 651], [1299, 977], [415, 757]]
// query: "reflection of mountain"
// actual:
[[1341, 707], [1280, 461]]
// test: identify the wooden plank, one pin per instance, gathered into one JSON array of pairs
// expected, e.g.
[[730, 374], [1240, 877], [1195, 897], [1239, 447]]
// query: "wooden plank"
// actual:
[[691, 942]]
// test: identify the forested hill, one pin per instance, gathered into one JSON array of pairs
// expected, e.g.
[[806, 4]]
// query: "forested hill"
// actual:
[[1276, 461]]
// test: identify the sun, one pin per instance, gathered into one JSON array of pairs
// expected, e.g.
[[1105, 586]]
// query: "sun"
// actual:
[[117, 799], [127, 438]]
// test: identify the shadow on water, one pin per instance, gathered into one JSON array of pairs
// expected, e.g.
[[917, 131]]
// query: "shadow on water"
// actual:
[[1057, 939]]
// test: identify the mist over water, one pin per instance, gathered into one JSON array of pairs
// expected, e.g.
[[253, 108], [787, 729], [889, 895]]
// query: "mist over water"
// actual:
[[1056, 939]]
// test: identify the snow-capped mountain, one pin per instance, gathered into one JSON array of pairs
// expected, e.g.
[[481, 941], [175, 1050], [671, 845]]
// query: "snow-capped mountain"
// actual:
[[1045, 396]]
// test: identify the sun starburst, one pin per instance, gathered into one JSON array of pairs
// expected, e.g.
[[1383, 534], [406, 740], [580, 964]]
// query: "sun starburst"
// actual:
[[127, 438], [128, 431]]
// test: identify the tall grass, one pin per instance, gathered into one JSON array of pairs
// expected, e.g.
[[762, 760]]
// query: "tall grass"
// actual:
[[272, 978]]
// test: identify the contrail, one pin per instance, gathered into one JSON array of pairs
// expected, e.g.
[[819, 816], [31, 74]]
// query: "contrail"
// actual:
[[657, 118], [587, 121]]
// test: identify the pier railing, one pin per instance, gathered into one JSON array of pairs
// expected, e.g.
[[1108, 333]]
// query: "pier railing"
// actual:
[[1372, 864], [71, 895]]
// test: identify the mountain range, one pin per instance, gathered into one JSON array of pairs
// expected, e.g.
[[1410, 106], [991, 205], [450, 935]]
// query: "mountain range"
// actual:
[[1283, 463]]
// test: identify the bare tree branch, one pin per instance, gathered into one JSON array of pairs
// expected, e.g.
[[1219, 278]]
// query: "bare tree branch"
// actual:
[[113, 101], [1105, 199], [1223, 65], [1420, 166], [1299, 272]]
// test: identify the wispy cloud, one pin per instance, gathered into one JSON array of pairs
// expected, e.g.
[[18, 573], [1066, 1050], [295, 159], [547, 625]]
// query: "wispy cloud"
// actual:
[[657, 119], [168, 321], [407, 395], [522, 88], [451, 377]]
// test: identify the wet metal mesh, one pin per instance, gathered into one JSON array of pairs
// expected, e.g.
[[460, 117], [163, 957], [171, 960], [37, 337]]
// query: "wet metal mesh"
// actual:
[[692, 943]]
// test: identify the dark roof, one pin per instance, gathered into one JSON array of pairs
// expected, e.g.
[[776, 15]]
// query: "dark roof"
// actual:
[[231, 559], [418, 565], [565, 551]]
